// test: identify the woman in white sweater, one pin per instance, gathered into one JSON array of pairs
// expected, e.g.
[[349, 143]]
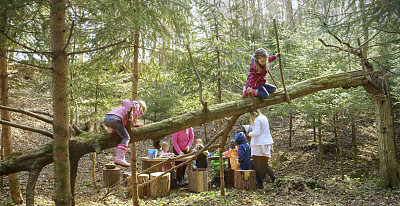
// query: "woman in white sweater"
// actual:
[[261, 145]]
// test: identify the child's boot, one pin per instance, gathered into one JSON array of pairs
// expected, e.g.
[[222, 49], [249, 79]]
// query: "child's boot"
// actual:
[[120, 156]]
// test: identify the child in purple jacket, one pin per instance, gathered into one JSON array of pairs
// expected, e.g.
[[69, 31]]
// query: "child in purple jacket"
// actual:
[[117, 119], [256, 80]]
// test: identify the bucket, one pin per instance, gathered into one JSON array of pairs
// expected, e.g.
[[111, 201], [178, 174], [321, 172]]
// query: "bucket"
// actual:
[[152, 153]]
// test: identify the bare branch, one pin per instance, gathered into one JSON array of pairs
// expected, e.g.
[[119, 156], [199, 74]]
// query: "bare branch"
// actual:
[[198, 78], [27, 128], [42, 112], [70, 35], [366, 42], [100, 48], [27, 113], [32, 65], [24, 46], [386, 31]]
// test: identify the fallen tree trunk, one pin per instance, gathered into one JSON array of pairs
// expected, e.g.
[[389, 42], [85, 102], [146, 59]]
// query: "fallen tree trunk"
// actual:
[[89, 142]]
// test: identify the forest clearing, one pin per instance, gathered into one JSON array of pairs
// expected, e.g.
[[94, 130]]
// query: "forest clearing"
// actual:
[[301, 96]]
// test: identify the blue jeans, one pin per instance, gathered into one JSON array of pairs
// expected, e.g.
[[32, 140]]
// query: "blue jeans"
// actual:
[[115, 122], [264, 90]]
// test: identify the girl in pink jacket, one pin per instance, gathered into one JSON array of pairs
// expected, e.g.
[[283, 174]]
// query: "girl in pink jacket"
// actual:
[[117, 119], [256, 80]]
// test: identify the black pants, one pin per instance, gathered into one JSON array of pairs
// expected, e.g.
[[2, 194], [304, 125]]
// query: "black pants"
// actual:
[[180, 172], [262, 168]]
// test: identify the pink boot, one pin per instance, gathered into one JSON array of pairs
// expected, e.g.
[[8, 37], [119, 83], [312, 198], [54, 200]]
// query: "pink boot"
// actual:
[[244, 93], [120, 156]]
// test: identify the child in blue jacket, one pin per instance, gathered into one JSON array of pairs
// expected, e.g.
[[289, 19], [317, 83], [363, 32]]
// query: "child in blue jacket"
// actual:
[[244, 152]]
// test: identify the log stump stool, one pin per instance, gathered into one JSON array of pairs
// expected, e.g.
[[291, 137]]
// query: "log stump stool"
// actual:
[[111, 175], [245, 179], [143, 192], [230, 179], [160, 187], [198, 181]]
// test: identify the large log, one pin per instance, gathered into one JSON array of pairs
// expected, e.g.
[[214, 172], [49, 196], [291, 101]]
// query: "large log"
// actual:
[[89, 142]]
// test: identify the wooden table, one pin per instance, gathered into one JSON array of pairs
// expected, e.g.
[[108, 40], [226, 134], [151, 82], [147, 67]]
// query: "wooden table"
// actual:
[[148, 162]]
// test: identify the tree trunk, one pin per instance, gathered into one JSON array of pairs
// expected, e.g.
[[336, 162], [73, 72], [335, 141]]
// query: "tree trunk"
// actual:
[[290, 129], [289, 14], [320, 147], [135, 194], [314, 130], [62, 184], [339, 144], [389, 171], [354, 141], [5, 114]]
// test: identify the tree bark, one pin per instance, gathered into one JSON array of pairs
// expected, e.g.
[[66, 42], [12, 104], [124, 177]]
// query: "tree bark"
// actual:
[[135, 83], [16, 194], [62, 184], [389, 170]]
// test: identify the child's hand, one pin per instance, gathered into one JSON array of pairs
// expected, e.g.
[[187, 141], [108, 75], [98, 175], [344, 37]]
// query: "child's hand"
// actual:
[[278, 54]]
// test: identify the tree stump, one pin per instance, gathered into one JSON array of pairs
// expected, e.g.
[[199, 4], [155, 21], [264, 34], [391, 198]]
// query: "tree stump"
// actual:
[[198, 181], [111, 175], [160, 187], [230, 179], [245, 179], [147, 164], [142, 191]]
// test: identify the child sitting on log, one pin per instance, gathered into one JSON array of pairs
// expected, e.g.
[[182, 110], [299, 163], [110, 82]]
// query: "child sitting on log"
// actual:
[[165, 152], [198, 141], [201, 160], [233, 154]]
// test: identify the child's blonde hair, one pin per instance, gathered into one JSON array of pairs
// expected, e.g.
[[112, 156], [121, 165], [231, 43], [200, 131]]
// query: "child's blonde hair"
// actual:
[[253, 116], [259, 53], [199, 141], [199, 146], [142, 105], [164, 145]]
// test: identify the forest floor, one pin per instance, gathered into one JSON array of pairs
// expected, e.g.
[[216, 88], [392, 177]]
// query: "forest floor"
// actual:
[[301, 178]]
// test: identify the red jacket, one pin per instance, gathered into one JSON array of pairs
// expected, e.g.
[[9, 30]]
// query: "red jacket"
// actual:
[[255, 79]]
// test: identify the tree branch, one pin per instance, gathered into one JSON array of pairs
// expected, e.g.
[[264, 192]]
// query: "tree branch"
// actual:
[[42, 112], [24, 46], [100, 48], [27, 128], [366, 42], [70, 35], [32, 65], [27, 113], [198, 78]]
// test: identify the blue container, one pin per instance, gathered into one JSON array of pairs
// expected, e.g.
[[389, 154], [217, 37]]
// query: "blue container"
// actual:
[[152, 153]]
